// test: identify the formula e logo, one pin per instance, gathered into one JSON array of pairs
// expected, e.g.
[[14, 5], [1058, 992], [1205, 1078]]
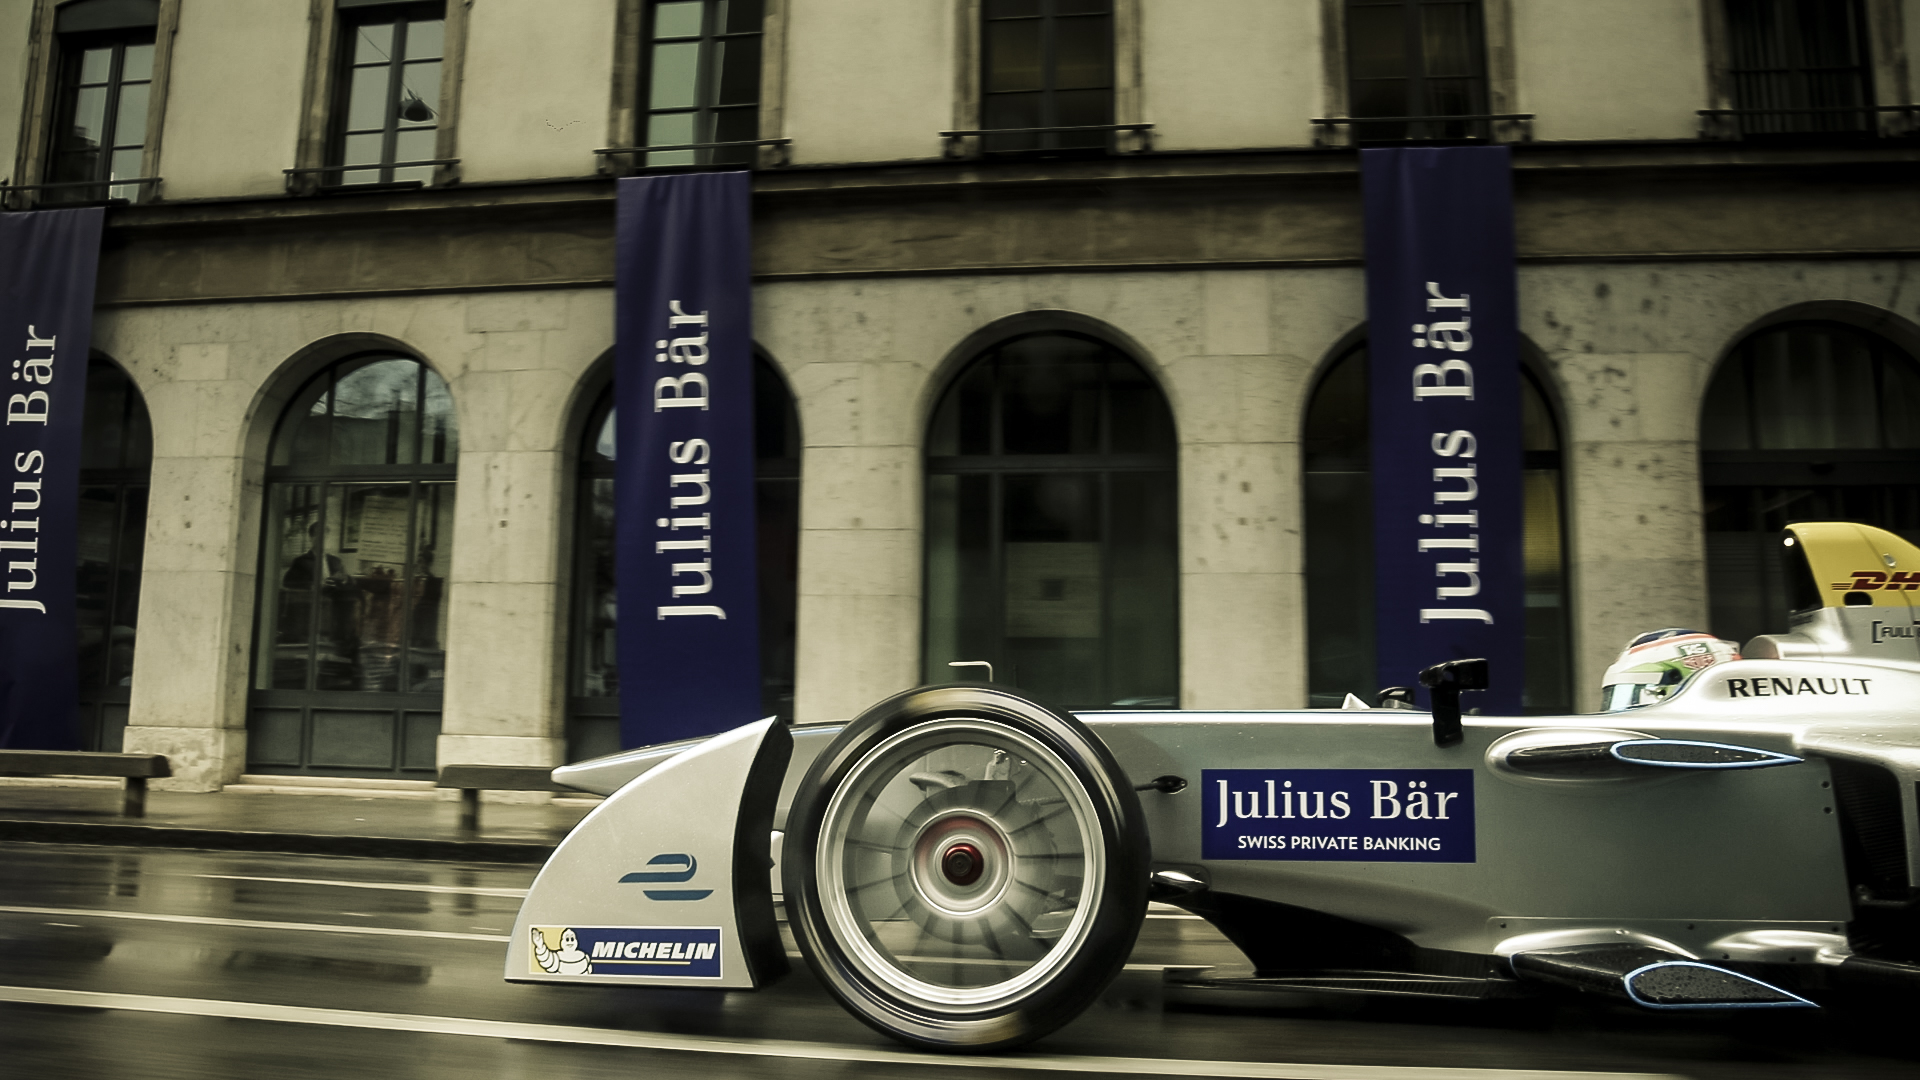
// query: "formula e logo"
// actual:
[[682, 866], [677, 951]]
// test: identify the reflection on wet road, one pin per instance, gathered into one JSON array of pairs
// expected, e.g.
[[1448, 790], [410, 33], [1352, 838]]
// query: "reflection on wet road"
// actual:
[[155, 962]]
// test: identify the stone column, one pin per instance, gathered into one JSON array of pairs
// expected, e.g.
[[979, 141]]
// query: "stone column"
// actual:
[[1636, 547], [189, 693], [1242, 593]]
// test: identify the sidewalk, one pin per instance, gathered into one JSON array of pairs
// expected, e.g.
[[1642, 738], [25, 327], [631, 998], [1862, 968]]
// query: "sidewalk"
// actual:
[[295, 824]]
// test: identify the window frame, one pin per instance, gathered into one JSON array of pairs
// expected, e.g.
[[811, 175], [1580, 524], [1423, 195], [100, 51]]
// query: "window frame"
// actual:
[[322, 96], [129, 472], [1763, 476], [1430, 128], [632, 87], [403, 18], [1884, 68], [997, 465], [1047, 143], [407, 708], [33, 156]]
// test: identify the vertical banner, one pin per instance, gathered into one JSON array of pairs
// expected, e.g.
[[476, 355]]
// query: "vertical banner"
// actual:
[[48, 259], [1443, 335], [689, 639]]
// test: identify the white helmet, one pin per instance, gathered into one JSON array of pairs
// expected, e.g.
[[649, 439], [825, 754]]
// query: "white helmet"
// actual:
[[1657, 665]]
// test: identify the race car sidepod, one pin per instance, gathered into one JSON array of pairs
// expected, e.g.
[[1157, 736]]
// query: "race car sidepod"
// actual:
[[666, 883]]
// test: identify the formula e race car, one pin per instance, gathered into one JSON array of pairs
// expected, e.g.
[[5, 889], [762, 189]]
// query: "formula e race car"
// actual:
[[966, 869]]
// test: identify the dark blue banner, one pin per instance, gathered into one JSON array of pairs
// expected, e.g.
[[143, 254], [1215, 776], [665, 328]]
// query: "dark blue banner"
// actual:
[[47, 265], [1337, 815], [684, 500], [1443, 334]]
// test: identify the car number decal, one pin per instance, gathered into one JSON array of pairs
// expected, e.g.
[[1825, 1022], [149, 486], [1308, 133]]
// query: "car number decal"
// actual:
[[1338, 815]]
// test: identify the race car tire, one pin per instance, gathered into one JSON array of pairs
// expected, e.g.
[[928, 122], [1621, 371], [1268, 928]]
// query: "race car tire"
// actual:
[[965, 869]]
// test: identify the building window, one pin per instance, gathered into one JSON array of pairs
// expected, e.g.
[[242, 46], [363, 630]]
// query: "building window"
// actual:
[[1798, 66], [105, 78], [388, 107], [116, 461], [701, 81], [1046, 64], [1339, 545], [1416, 58], [593, 692], [349, 653], [1052, 526], [1808, 421]]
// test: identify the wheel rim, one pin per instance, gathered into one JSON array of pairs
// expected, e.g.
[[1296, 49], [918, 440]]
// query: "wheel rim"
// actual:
[[958, 865]]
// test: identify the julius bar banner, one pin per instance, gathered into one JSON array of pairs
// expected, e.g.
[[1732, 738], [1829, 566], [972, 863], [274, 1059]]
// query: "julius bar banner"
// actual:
[[689, 642], [48, 259], [1443, 335]]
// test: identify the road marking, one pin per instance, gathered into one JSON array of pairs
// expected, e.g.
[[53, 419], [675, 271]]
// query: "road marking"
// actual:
[[249, 924], [774, 1048], [392, 886]]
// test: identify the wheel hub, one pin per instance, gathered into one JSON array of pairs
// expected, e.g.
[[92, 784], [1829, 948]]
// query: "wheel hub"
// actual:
[[962, 863]]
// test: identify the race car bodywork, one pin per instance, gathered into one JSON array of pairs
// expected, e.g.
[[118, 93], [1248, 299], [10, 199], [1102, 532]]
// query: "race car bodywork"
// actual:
[[966, 869]]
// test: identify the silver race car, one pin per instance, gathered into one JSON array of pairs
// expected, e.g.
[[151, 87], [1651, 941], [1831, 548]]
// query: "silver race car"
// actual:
[[966, 869]]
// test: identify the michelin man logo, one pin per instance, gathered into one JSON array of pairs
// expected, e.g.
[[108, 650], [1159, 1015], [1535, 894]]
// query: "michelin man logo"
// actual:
[[567, 959]]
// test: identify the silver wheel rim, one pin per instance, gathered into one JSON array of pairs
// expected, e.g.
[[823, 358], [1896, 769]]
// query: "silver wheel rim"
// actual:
[[959, 863]]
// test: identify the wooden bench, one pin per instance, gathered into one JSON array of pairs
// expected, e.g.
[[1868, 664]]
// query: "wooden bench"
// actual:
[[473, 779], [136, 769]]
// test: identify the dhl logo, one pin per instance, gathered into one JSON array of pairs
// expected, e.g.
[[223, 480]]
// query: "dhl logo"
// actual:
[[1870, 580]]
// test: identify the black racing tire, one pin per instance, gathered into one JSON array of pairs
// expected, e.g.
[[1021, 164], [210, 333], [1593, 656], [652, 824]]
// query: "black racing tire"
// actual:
[[965, 869]]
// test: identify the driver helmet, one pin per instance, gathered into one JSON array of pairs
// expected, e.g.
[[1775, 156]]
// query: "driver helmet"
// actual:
[[1657, 665]]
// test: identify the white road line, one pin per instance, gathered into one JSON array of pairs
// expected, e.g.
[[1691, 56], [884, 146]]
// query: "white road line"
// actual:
[[647, 1040], [248, 924], [392, 886]]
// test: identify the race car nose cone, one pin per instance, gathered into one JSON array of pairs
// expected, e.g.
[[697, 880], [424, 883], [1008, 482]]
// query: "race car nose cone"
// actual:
[[962, 864]]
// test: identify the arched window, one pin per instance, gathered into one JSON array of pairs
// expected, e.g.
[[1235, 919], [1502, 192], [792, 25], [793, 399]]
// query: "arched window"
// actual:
[[593, 690], [1805, 421], [116, 461], [1339, 544], [1052, 526], [349, 649]]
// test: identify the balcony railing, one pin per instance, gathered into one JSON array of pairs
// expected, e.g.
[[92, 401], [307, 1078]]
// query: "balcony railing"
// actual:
[[781, 157], [10, 202], [1477, 127], [296, 187], [1809, 120], [953, 143]]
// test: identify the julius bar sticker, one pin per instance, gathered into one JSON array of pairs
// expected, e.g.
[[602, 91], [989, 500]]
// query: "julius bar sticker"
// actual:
[[1338, 815]]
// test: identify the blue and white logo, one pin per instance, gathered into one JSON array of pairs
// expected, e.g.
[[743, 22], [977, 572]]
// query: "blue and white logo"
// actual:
[[1338, 815], [679, 951], [683, 869]]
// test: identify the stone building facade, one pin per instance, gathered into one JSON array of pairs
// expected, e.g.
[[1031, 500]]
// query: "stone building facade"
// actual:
[[1680, 213]]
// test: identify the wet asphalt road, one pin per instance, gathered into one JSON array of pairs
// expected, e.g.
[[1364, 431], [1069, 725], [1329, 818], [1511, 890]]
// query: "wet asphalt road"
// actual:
[[121, 962]]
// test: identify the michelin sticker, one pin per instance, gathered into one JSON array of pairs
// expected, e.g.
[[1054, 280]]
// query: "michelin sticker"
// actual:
[[1338, 815], [685, 952]]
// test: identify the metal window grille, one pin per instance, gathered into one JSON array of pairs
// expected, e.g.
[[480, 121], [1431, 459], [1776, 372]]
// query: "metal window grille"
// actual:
[[701, 85], [1799, 66], [1046, 68], [100, 125], [387, 112], [1421, 63]]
